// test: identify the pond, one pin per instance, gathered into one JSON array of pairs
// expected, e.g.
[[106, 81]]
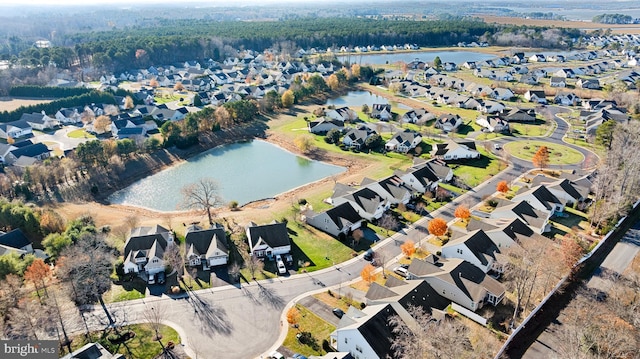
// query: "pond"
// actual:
[[245, 172], [359, 98], [457, 57]]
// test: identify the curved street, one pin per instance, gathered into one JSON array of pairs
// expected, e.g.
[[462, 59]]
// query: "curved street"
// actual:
[[245, 321]]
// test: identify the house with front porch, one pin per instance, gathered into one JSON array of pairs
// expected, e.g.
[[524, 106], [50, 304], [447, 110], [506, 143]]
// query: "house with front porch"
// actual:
[[338, 221], [343, 114], [424, 177], [206, 247], [541, 199], [452, 150], [369, 204], [535, 96], [357, 137], [404, 141], [268, 240], [39, 121], [15, 129], [144, 250]]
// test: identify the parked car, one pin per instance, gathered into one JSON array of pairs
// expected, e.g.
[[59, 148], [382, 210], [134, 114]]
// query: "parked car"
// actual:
[[368, 256], [282, 269], [497, 146], [161, 278], [276, 355], [401, 271], [338, 312], [151, 279]]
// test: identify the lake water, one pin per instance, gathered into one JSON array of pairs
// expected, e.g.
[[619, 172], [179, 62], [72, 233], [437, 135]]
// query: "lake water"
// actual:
[[359, 98], [245, 172], [457, 57]]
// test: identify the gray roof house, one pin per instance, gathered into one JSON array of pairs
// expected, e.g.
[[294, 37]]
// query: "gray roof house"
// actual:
[[206, 247], [475, 248], [369, 204], [540, 198], [144, 250], [423, 177], [538, 220], [337, 221], [268, 240], [403, 141]]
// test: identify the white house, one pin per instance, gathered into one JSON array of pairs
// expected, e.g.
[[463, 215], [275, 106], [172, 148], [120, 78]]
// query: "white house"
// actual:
[[144, 250], [268, 240], [15, 129], [206, 247], [403, 141], [541, 199], [337, 221], [475, 248], [455, 150], [369, 205]]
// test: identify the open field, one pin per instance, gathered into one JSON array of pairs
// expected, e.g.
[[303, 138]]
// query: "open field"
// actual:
[[586, 25], [11, 104]]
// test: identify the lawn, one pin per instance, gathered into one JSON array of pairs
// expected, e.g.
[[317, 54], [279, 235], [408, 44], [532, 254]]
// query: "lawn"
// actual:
[[309, 322], [537, 129], [80, 133], [334, 300], [558, 154], [134, 289], [473, 172], [142, 346]]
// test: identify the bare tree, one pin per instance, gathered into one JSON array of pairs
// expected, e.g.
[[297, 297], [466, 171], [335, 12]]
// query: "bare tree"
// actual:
[[87, 268], [202, 195], [253, 264], [154, 315], [174, 258], [388, 222]]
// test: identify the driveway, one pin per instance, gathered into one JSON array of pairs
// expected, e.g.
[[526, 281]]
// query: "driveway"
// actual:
[[320, 308]]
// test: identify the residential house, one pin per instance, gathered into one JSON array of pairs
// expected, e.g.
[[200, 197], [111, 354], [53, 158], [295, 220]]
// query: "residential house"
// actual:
[[5, 149], [357, 137], [338, 221], [504, 233], [519, 58], [529, 79], [16, 242], [564, 189], [418, 116], [519, 115], [268, 240], [144, 249], [595, 119], [344, 114], [538, 220], [541, 199], [69, 116], [448, 122], [565, 73], [537, 58], [459, 281], [475, 248], [536, 96], [369, 204], [591, 84], [15, 129], [27, 150], [557, 82], [206, 247], [324, 125], [493, 123], [487, 106], [566, 99], [391, 188], [366, 333], [403, 141], [381, 111], [407, 294], [424, 176], [455, 150]]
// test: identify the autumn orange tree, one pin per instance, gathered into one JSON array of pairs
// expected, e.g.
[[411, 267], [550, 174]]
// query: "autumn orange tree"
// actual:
[[502, 187], [38, 272], [541, 158], [368, 274], [293, 316], [437, 227], [408, 248], [462, 212]]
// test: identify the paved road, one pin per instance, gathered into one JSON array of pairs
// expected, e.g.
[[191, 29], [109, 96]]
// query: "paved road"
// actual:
[[615, 264], [245, 321]]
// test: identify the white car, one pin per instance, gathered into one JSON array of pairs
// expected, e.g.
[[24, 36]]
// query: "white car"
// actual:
[[402, 271], [497, 147], [282, 269], [276, 355]]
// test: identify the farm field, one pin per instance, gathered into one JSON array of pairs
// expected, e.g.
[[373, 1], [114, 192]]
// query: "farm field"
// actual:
[[11, 104]]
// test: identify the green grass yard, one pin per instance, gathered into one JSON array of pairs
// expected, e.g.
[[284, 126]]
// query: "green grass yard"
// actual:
[[558, 154], [309, 322]]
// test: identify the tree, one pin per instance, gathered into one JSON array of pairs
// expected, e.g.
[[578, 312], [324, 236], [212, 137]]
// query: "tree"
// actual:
[[571, 251], [304, 143], [437, 63], [355, 70], [502, 187], [357, 235], [365, 109], [153, 83], [174, 259], [333, 82], [288, 99], [541, 158], [253, 264], [604, 133], [374, 142], [202, 195], [155, 315], [293, 316], [333, 136], [128, 103], [367, 274], [87, 267], [38, 273], [408, 248], [437, 226], [462, 212], [388, 222], [178, 86], [102, 124]]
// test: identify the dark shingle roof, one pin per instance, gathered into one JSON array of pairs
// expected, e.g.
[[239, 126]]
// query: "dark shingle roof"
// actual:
[[14, 239], [202, 240], [34, 150], [377, 331], [274, 234], [343, 215]]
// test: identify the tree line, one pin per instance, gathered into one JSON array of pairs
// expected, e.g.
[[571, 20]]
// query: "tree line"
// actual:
[[613, 19], [47, 91]]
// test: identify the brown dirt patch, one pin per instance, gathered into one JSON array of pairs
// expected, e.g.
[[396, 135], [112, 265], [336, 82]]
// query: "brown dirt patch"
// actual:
[[10, 104], [585, 25]]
